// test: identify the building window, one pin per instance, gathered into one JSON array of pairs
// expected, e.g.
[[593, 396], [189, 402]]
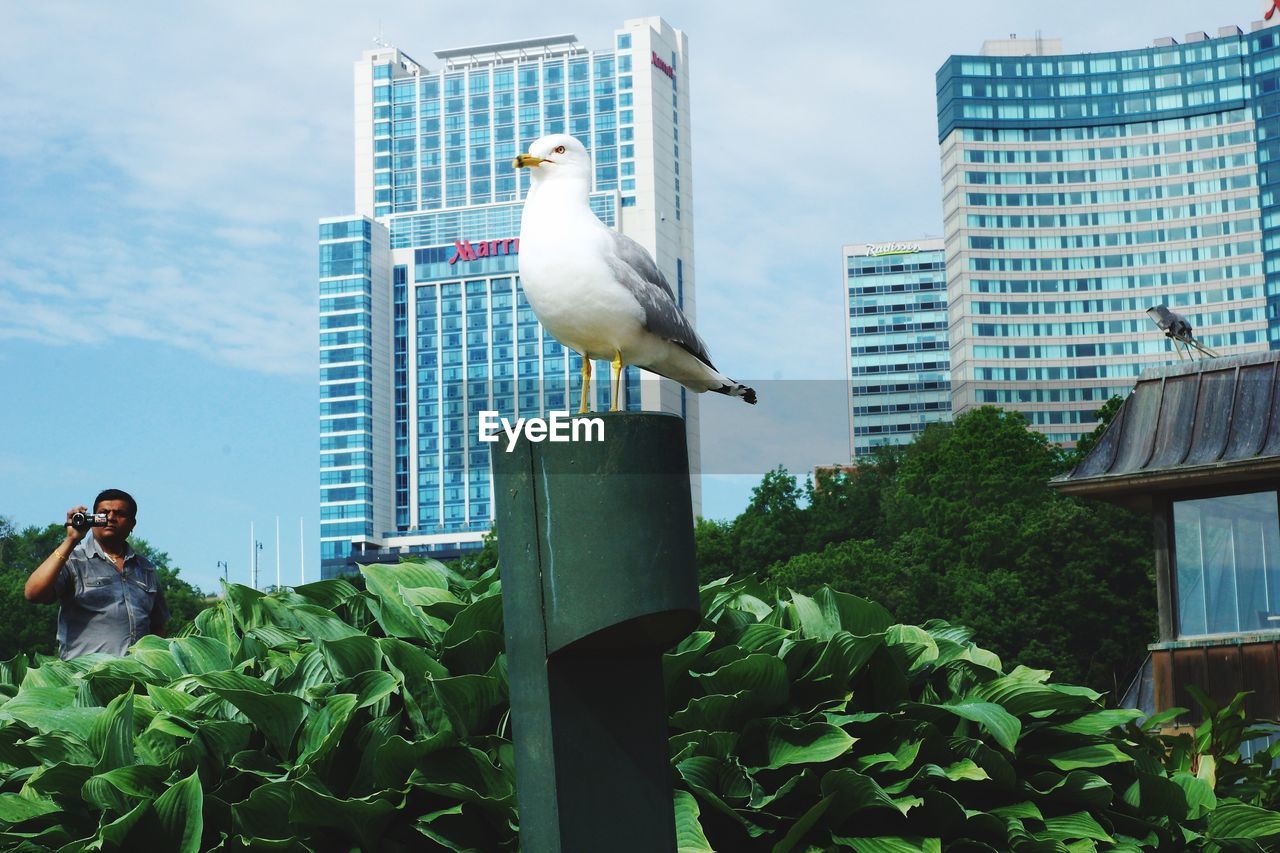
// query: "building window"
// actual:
[[624, 41], [1227, 564]]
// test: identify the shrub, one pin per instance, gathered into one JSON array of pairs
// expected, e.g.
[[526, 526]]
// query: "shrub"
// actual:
[[333, 717]]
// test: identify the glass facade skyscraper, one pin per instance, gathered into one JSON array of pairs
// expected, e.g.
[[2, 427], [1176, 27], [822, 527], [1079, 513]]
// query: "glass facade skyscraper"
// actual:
[[1080, 190], [423, 324], [896, 341]]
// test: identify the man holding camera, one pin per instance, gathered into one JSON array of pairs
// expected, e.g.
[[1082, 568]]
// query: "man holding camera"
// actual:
[[109, 595]]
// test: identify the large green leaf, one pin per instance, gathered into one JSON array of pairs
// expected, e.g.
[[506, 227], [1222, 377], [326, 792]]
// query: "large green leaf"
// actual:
[[1022, 696], [842, 657], [810, 620], [350, 656], [1239, 821], [1089, 755], [689, 835], [1073, 827], [761, 677], [112, 734], [1099, 722], [325, 729], [15, 808], [50, 709], [13, 670], [198, 655], [1198, 793], [52, 747], [122, 789], [470, 701], [851, 613], [361, 820], [277, 715], [995, 720], [369, 687], [464, 773], [320, 624], [328, 594], [816, 742], [890, 844], [856, 791]]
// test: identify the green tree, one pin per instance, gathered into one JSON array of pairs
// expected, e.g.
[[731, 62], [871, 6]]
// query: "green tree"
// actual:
[[714, 544], [772, 526], [846, 505], [26, 627], [962, 525]]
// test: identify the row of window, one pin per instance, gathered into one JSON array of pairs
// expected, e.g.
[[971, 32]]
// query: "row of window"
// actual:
[[1118, 282], [1158, 148], [1116, 238], [1159, 127], [1110, 348], [1005, 396], [1105, 306], [1106, 107], [1110, 327], [1124, 196], [1138, 172], [1136, 259], [1197, 210], [870, 367], [1111, 85], [1110, 63]]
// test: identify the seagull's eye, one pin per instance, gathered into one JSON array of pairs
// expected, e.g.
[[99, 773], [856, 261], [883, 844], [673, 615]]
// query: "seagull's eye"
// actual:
[[559, 149]]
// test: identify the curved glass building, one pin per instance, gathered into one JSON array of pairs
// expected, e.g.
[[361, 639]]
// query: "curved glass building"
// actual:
[[1079, 190]]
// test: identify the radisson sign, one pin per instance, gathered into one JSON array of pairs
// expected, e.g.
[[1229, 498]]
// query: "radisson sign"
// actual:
[[875, 250]]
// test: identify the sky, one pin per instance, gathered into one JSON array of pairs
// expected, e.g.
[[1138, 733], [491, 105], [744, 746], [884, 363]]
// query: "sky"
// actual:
[[163, 168]]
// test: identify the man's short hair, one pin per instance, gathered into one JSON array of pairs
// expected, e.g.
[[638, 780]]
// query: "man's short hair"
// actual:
[[117, 495]]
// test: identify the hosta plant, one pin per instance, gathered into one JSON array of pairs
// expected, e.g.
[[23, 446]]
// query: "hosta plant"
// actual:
[[374, 716]]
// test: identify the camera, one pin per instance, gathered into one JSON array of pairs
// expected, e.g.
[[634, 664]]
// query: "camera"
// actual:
[[85, 520]]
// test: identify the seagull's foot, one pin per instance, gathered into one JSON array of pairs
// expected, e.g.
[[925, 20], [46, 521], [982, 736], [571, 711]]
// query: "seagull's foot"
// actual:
[[584, 405], [617, 376]]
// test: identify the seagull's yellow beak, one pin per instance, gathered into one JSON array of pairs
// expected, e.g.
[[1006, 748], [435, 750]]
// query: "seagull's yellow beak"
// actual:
[[523, 160]]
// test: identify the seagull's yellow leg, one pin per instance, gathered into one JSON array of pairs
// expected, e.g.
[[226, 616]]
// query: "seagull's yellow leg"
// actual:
[[586, 385], [617, 377]]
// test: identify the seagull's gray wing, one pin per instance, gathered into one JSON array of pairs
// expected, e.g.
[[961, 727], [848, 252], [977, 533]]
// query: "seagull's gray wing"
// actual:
[[637, 272]]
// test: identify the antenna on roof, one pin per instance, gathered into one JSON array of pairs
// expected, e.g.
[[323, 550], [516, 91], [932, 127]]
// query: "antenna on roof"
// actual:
[[378, 38]]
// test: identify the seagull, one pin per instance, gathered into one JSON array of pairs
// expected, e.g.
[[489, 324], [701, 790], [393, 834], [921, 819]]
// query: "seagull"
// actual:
[[597, 291]]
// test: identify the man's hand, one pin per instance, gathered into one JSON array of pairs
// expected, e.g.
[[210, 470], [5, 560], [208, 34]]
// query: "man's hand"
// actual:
[[73, 535]]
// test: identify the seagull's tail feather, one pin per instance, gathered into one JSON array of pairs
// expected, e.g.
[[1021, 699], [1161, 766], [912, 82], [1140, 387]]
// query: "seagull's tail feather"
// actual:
[[737, 389]]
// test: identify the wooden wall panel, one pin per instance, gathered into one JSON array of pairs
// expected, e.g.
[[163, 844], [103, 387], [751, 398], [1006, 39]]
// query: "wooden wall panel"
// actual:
[[1222, 672], [1261, 674]]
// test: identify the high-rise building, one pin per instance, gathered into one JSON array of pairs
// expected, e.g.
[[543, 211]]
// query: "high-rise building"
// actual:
[[896, 341], [423, 324], [1079, 190]]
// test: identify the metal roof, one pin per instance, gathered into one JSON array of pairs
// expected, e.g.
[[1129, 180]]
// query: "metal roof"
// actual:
[[527, 47], [1194, 423]]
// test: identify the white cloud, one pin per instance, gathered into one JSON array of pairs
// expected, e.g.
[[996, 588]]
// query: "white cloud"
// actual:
[[168, 165]]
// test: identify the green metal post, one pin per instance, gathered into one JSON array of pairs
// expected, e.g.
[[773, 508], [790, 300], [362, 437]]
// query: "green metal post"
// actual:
[[595, 542]]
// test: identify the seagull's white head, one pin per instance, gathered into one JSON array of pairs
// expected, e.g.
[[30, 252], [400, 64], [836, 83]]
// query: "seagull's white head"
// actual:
[[554, 156]]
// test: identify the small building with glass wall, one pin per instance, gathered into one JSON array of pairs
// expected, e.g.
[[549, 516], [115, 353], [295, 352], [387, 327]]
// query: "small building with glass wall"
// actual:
[[896, 357], [1197, 445]]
